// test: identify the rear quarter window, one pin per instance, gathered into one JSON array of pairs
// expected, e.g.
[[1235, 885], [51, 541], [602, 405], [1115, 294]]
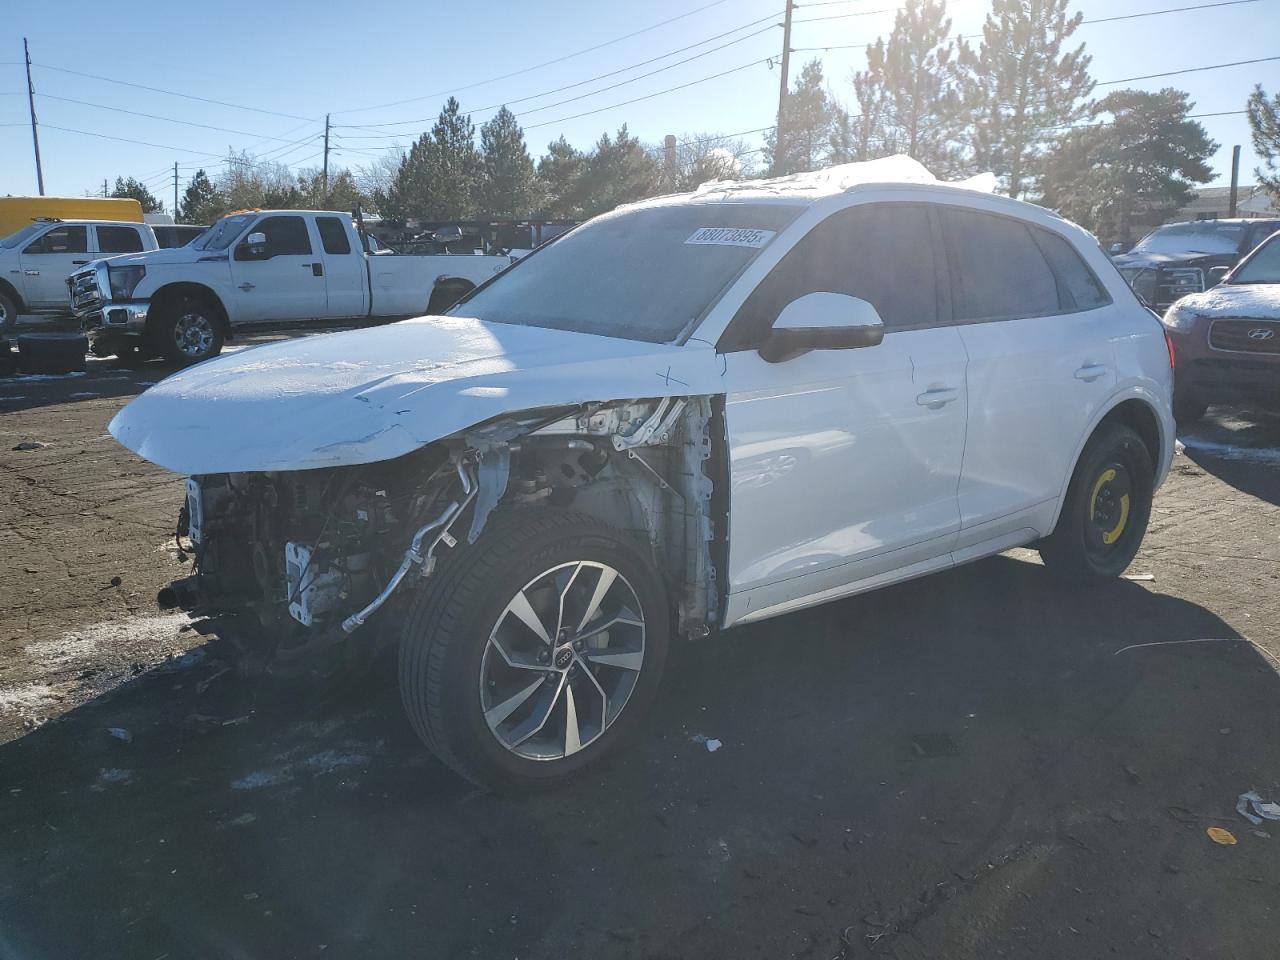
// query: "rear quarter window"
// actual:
[[1080, 288], [997, 269], [333, 235]]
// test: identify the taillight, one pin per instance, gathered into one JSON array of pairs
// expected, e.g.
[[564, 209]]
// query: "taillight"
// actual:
[[1173, 356]]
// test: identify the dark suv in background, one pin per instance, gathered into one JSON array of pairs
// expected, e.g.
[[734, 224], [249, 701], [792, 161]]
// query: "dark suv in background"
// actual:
[[1183, 258]]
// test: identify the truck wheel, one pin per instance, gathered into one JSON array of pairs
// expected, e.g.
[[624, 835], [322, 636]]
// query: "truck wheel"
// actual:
[[189, 331], [8, 313], [536, 651], [1105, 513]]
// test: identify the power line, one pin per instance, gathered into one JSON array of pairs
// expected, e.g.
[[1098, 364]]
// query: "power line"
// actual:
[[539, 66], [142, 143], [846, 16], [153, 116], [650, 96], [172, 93], [1175, 73], [603, 76]]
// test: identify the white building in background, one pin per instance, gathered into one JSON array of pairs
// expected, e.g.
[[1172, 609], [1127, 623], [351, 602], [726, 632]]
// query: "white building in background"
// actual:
[[1213, 203]]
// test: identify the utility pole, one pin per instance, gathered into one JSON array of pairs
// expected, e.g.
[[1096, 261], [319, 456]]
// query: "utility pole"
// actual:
[[31, 104], [778, 133], [1235, 180], [175, 191], [104, 186], [669, 160], [325, 175]]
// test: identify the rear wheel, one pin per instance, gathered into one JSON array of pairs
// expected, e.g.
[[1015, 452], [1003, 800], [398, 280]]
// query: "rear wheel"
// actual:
[[8, 314], [536, 651], [1105, 513], [189, 331]]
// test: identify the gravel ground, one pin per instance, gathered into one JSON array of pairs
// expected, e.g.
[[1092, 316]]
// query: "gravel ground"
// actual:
[[977, 764]]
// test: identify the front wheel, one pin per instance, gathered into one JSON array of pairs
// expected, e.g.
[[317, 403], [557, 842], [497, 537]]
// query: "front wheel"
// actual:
[[536, 651], [8, 314], [1105, 513], [189, 331]]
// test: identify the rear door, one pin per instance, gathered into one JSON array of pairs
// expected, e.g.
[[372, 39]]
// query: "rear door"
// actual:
[[112, 240], [346, 279], [1036, 326], [290, 283], [844, 463], [49, 260]]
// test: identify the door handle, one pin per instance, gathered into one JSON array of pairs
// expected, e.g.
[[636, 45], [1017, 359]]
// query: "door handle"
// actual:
[[32, 273], [938, 397], [78, 263], [246, 286], [1091, 372]]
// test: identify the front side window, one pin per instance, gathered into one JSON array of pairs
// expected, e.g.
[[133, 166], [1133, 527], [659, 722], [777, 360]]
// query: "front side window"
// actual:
[[286, 236], [119, 240], [333, 235], [1262, 267], [643, 274], [997, 269], [881, 253], [61, 240]]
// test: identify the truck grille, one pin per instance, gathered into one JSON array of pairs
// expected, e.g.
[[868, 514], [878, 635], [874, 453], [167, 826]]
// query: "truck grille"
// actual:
[[1174, 283], [1245, 336], [85, 295]]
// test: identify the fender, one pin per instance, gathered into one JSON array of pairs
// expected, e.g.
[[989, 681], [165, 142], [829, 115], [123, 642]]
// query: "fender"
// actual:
[[1161, 411], [10, 291], [192, 289]]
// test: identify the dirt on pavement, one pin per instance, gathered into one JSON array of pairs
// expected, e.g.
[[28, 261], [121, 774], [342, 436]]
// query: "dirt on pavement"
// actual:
[[981, 763]]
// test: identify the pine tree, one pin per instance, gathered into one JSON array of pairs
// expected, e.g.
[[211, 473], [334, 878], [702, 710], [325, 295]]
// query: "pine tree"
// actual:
[[201, 202], [440, 175], [560, 179], [619, 170], [1264, 125], [1141, 164], [807, 117], [1019, 87], [507, 186], [131, 188], [916, 71]]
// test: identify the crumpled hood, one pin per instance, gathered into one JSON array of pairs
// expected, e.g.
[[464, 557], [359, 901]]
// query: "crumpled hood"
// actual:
[[1191, 258], [169, 255], [368, 395], [1251, 301]]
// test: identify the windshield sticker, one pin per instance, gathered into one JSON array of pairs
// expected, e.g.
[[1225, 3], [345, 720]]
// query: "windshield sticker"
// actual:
[[731, 236]]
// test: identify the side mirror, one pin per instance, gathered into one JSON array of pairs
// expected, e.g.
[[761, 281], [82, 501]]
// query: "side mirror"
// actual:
[[450, 234], [253, 247], [1115, 248], [1217, 275], [822, 321]]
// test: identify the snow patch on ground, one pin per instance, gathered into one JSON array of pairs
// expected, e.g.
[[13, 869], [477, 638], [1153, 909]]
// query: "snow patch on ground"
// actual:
[[109, 776], [1229, 451], [26, 698], [346, 755]]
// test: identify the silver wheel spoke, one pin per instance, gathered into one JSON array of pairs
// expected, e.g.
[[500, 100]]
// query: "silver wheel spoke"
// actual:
[[564, 593], [607, 576], [623, 660], [585, 667], [572, 736], [618, 621], [524, 611], [535, 728], [512, 662], [496, 714]]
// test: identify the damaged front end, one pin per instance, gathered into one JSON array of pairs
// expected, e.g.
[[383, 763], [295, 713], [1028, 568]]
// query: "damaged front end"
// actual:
[[316, 555]]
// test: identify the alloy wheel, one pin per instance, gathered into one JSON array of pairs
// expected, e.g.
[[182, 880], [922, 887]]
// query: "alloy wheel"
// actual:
[[562, 660], [193, 335]]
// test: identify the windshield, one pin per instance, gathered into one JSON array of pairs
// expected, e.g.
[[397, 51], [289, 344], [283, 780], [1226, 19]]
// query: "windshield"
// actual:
[[1262, 267], [221, 234], [640, 274], [1207, 237], [22, 236]]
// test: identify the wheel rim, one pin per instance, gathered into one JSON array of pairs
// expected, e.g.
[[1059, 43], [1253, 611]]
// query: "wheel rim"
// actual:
[[193, 334], [1110, 509], [562, 660]]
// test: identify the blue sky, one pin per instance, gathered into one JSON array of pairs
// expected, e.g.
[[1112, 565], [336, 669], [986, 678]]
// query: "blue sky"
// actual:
[[296, 61]]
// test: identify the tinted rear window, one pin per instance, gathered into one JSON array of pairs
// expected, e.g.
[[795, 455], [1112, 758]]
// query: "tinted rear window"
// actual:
[[997, 269], [1080, 287], [333, 235], [118, 240]]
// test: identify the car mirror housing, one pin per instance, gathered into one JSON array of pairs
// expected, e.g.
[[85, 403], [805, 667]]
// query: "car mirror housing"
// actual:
[[1217, 275], [254, 247], [822, 321]]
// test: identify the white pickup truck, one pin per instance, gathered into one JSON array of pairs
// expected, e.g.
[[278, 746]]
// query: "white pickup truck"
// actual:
[[259, 267], [36, 260]]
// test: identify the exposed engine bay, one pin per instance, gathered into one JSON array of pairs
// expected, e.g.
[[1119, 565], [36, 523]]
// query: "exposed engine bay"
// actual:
[[317, 554]]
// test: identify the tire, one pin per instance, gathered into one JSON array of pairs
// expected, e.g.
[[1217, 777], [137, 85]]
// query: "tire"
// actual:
[[8, 314], [189, 331], [1105, 513], [1188, 408], [462, 642]]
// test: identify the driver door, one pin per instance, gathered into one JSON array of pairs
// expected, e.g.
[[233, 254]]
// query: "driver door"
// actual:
[[288, 283], [844, 464], [48, 261]]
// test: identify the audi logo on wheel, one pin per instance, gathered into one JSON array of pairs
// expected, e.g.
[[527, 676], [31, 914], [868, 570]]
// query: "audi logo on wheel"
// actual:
[[1261, 333]]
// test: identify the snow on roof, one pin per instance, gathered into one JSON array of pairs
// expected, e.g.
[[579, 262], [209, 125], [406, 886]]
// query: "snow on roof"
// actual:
[[834, 180]]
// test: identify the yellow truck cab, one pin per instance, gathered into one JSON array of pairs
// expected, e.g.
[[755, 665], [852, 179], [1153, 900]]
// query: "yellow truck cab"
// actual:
[[17, 212]]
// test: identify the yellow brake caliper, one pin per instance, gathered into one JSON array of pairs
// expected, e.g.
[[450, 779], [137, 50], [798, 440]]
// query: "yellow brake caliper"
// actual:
[[1112, 535]]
